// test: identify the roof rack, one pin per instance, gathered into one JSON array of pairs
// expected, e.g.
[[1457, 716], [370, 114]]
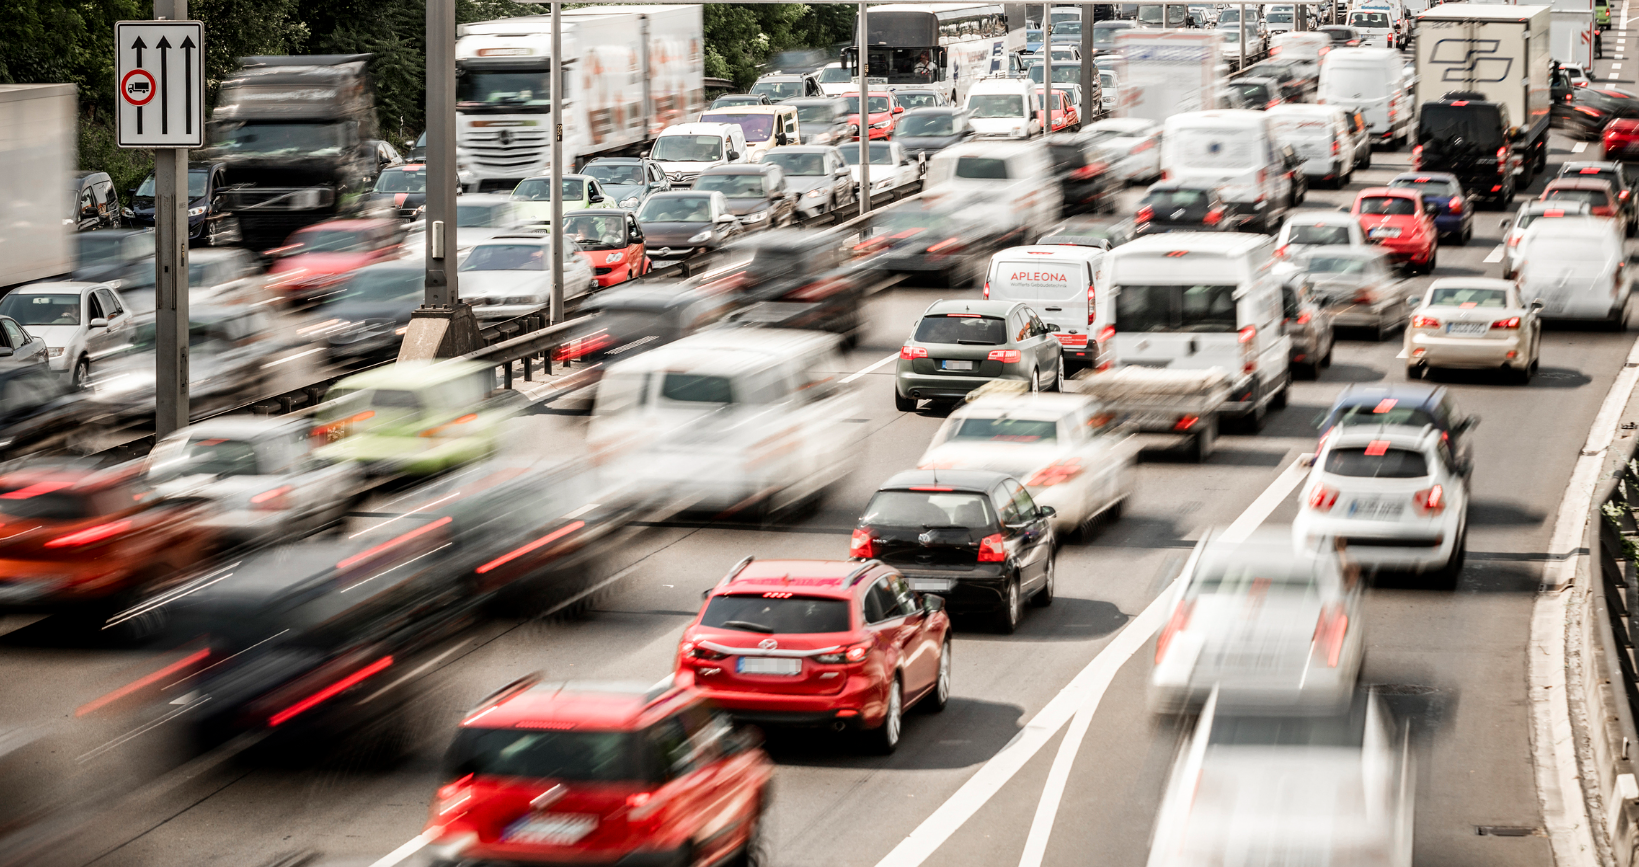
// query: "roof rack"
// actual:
[[526, 682], [859, 572]]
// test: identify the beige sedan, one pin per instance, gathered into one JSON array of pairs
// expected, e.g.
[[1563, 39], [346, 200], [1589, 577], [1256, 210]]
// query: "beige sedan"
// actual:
[[1473, 323]]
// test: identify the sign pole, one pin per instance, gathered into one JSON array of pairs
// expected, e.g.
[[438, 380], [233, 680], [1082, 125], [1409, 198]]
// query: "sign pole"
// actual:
[[1046, 71], [556, 95], [170, 260], [1091, 107], [862, 61], [442, 289]]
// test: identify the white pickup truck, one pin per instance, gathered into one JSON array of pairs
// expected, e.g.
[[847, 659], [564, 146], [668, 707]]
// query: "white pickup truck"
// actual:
[[1170, 407]]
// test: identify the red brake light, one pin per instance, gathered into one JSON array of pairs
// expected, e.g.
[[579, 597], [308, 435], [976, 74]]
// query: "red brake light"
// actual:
[[274, 500], [991, 549], [1510, 322], [858, 652], [1456, 206], [987, 296], [1106, 333], [1145, 214], [1588, 171], [1424, 322], [1214, 216], [330, 691], [1248, 334], [1322, 498], [862, 546], [1329, 632], [90, 535], [1178, 623], [909, 352], [1417, 157], [1430, 501], [1304, 317], [1005, 356]]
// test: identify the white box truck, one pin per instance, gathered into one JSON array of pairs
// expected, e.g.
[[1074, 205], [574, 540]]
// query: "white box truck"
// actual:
[[1571, 33], [39, 148], [630, 72], [1167, 72]]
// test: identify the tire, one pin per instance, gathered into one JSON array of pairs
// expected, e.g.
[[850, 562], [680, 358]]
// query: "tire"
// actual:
[[1367, 162], [1522, 376], [1414, 372], [1007, 619], [1058, 377], [1447, 576], [1044, 597], [935, 701], [884, 739], [1035, 380], [1279, 399], [1326, 360], [1462, 238], [754, 851], [1205, 440], [80, 378], [1433, 258], [904, 404]]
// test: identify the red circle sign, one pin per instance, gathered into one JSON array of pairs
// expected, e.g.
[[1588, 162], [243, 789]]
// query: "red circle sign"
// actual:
[[138, 92]]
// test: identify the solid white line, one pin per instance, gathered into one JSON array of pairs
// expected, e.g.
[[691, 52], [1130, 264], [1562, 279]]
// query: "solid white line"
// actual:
[[1579, 147], [1494, 256], [857, 374], [416, 844]]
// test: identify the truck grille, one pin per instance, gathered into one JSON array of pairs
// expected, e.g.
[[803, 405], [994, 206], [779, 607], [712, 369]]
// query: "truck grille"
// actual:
[[522, 150], [280, 198]]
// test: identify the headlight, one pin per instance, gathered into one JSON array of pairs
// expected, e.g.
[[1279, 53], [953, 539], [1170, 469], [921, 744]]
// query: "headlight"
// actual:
[[881, 124], [817, 193], [57, 350], [755, 218], [701, 238], [629, 202], [615, 259], [194, 212], [127, 212]]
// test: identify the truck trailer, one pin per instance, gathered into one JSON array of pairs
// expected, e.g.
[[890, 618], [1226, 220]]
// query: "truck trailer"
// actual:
[[38, 147], [1167, 72]]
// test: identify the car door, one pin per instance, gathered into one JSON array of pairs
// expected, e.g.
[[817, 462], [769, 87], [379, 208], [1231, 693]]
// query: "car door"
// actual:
[[693, 793], [1034, 537], [24, 347], [1044, 344], [885, 621], [921, 661]]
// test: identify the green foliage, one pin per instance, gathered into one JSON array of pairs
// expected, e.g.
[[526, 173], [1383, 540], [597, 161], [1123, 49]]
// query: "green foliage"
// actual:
[[740, 38], [242, 28], [126, 166], [65, 41]]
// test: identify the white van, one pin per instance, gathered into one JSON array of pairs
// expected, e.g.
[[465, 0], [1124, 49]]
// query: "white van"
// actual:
[[1059, 282], [1575, 267], [1199, 300], [1236, 151], [1320, 135], [1012, 183], [687, 149], [1378, 25], [1001, 108], [1374, 81]]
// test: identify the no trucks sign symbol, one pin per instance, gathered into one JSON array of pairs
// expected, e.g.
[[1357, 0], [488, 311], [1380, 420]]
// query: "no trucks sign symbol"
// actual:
[[161, 83]]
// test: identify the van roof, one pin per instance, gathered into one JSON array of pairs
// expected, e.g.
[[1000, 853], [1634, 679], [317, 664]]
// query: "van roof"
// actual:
[[998, 150], [1225, 244], [1000, 85], [729, 351], [698, 128], [1302, 109], [1219, 118], [1051, 251], [751, 109]]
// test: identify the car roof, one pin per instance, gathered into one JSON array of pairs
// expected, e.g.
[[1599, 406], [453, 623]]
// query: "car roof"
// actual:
[[1444, 176], [410, 375], [730, 350], [1216, 243], [624, 161], [802, 149], [62, 287], [961, 480], [1574, 225], [1470, 283], [1167, 186], [679, 194], [960, 305], [1392, 192], [750, 109], [934, 109], [579, 704], [1401, 435], [1578, 183], [1054, 251], [834, 578], [596, 212], [1416, 395], [241, 427]]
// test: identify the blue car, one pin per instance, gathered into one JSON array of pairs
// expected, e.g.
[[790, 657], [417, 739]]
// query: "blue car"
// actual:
[[209, 221], [1412, 404], [1443, 197], [1032, 41]]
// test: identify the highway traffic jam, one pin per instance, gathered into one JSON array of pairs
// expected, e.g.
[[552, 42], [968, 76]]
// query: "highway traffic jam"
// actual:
[[1142, 424]]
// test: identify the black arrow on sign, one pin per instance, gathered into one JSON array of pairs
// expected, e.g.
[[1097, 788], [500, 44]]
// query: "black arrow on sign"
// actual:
[[187, 84], [139, 45], [164, 46]]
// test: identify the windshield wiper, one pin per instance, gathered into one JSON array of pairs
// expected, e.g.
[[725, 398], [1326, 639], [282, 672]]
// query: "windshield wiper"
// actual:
[[974, 343], [747, 626], [945, 527]]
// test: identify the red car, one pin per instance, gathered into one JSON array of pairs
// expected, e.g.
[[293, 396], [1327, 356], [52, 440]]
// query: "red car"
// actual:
[[316, 260], [1393, 217], [612, 241], [884, 108], [1621, 139], [593, 775], [1596, 193], [1065, 115], [820, 642]]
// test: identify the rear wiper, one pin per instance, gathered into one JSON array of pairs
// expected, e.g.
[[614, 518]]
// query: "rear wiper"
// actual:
[[944, 526], [974, 343], [747, 626]]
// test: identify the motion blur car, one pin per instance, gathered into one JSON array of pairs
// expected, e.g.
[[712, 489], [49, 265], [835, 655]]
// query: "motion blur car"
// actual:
[[258, 474], [611, 242], [892, 169], [209, 220], [797, 279], [1308, 325], [1443, 197], [1259, 92], [1233, 36], [1265, 626], [921, 97], [221, 276], [1592, 108], [1394, 218], [1474, 323], [1185, 206], [18, 348], [928, 130], [532, 197], [1575, 266], [1306, 230], [1133, 145], [1086, 182], [96, 204], [855, 646], [1621, 139], [635, 775], [229, 350], [1597, 193], [400, 190], [37, 410], [756, 193], [123, 257], [821, 120], [628, 320], [1404, 404], [413, 418], [685, 224], [1529, 213], [511, 275], [316, 260], [1106, 232], [1358, 287], [1616, 174], [368, 317], [974, 537], [781, 86], [1061, 446], [627, 181], [958, 346], [929, 237], [882, 108], [80, 323], [1394, 495], [817, 175], [1342, 35], [737, 100]]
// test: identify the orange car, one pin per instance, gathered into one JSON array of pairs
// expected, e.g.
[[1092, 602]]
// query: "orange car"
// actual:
[[1394, 218], [78, 538], [612, 240], [1065, 114]]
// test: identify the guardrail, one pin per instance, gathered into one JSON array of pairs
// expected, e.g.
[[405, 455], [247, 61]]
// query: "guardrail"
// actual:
[[1611, 651]]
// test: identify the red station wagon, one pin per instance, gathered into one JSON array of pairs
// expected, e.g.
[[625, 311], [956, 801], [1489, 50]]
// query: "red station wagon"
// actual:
[[820, 642], [597, 774], [1394, 218]]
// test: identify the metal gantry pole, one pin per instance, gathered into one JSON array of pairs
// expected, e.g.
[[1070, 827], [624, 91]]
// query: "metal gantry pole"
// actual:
[[1240, 63], [170, 271], [556, 87], [1090, 106], [441, 289], [862, 61], [1046, 70]]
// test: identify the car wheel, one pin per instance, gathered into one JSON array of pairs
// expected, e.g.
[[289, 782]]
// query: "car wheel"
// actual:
[[884, 739], [936, 700], [1007, 620], [1433, 258], [1367, 162], [1035, 381], [1044, 596], [754, 851], [1279, 400], [1058, 376], [1447, 576], [81, 378], [1464, 236], [904, 404]]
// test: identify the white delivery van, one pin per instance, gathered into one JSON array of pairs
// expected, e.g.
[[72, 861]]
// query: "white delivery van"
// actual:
[[1320, 135], [1001, 108], [1236, 151], [1575, 267], [1059, 282], [1378, 25], [1011, 183], [1374, 81], [687, 149], [1197, 301]]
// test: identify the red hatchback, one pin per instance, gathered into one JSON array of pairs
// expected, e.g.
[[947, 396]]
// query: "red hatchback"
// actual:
[[318, 259], [820, 642], [567, 774], [1621, 139], [1394, 218], [884, 112]]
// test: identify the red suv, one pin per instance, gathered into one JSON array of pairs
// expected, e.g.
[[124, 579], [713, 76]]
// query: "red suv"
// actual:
[[820, 642], [568, 774]]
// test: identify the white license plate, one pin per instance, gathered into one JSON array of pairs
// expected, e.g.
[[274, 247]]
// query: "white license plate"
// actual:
[[1468, 329], [1375, 510], [932, 585], [552, 829], [768, 665], [956, 365], [1385, 233]]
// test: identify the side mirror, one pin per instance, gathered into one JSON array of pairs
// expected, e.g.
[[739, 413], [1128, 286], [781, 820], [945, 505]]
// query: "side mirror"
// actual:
[[1046, 511], [1052, 329], [733, 154], [99, 322], [1504, 223], [595, 197], [932, 603], [6, 351], [780, 139], [1306, 460], [898, 109], [1536, 304], [1413, 300]]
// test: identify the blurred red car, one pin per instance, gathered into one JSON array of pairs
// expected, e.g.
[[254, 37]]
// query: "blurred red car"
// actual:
[[316, 260], [820, 642], [563, 774], [1065, 115], [884, 110], [1393, 217], [611, 240], [1621, 139]]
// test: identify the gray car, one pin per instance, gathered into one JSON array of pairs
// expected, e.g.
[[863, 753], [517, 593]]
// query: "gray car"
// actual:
[[924, 132], [1359, 287], [628, 180], [958, 346], [684, 224], [821, 120], [817, 175]]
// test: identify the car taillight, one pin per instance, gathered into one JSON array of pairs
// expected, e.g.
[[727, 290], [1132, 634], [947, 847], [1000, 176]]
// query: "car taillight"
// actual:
[[987, 289], [1329, 631], [1304, 317], [1430, 501], [1513, 240], [1282, 250], [991, 549], [453, 795], [1145, 214], [695, 651], [862, 545], [1510, 322], [1249, 352], [1424, 322], [1106, 333], [909, 352], [1178, 623], [1322, 498], [1334, 147], [1456, 206], [1604, 211], [329, 692], [1166, 174], [1214, 216], [854, 653], [1055, 472], [1502, 159], [272, 501], [90, 535], [1090, 305], [1417, 157], [1005, 356]]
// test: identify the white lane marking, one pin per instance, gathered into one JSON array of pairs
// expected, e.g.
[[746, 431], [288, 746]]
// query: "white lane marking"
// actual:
[[1041, 827], [1085, 689], [1614, 67], [859, 373], [416, 844], [1579, 147], [1553, 738], [1494, 256]]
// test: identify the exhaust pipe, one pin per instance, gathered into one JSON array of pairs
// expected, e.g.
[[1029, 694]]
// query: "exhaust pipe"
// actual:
[[838, 726]]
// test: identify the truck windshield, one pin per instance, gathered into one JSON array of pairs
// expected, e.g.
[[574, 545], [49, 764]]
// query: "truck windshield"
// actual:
[[687, 149], [478, 87], [757, 127], [1200, 308], [277, 139]]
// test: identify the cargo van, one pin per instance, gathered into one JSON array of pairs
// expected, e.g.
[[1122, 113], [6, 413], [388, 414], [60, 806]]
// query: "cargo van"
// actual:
[[1001, 108], [1236, 151], [1013, 183], [1322, 138], [1060, 282], [1372, 80], [1379, 25], [764, 126], [1195, 301], [685, 150]]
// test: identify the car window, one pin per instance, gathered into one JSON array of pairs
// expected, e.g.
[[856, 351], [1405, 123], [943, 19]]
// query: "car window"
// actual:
[[15, 338], [1319, 234], [93, 307], [1005, 429], [1376, 460], [927, 509], [903, 593], [506, 257], [1002, 499], [1022, 503], [111, 302], [880, 603], [1458, 296], [962, 328], [577, 756], [776, 613], [1394, 206]]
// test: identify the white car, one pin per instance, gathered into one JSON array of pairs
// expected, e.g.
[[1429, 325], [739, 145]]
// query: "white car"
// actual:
[[1269, 627], [1574, 265], [258, 472], [1133, 143], [225, 275], [891, 168], [1475, 323], [1109, 88], [80, 323], [1529, 213], [1060, 446], [1307, 230], [511, 275], [1231, 39], [1393, 495]]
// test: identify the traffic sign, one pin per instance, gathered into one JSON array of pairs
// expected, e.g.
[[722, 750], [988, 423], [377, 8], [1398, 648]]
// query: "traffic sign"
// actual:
[[160, 67]]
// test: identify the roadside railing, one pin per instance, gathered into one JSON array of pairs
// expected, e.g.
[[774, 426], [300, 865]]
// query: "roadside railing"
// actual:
[[1609, 658]]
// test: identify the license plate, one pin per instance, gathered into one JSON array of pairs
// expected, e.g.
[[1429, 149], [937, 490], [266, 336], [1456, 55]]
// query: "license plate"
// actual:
[[955, 365], [768, 665], [1468, 329], [1385, 233], [1375, 510], [932, 585], [553, 829]]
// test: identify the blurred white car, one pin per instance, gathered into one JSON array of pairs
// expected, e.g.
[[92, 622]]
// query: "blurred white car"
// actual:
[[1475, 323], [1529, 213], [1060, 446], [81, 323], [1575, 266], [1307, 230], [891, 168], [1270, 627], [1134, 145], [1109, 88], [510, 275]]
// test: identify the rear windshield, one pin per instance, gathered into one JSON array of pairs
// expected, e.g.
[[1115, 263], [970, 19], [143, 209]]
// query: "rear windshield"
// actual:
[[1167, 201], [1369, 19], [981, 168], [964, 330], [769, 613], [1200, 308], [41, 500], [1479, 126], [1288, 731], [1376, 460], [1319, 235], [575, 756], [1393, 206], [1337, 265], [1006, 430], [211, 456], [1386, 411], [928, 509], [696, 388], [1455, 296], [1428, 186], [1592, 198]]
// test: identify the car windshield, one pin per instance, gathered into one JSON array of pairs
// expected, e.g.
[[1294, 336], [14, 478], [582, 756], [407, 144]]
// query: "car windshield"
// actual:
[[917, 100], [198, 182], [1458, 296], [506, 257], [835, 75], [1106, 78], [881, 155], [968, 329], [1198, 308], [384, 284], [1063, 73], [988, 105], [1255, 91], [733, 185], [926, 125], [331, 241], [597, 232], [687, 148], [1386, 411], [1006, 430], [1392, 206], [30, 308], [928, 509], [1376, 460], [482, 216], [44, 500], [615, 174], [540, 190], [681, 209], [878, 104], [1428, 186], [757, 127], [205, 456], [402, 181], [1368, 19], [776, 613], [498, 87], [1592, 198], [778, 90], [1319, 235], [981, 168], [274, 139], [735, 100], [1032, 35], [696, 388], [801, 165], [536, 754], [814, 113]]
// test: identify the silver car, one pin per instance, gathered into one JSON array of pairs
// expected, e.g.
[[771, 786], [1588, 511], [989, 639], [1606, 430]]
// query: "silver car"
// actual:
[[817, 175], [1359, 287], [1529, 213]]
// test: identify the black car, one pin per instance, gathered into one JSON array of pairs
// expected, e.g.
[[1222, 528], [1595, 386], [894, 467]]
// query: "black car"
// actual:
[[210, 222], [96, 205], [1257, 92], [757, 194], [401, 190], [952, 244], [627, 180], [627, 320], [800, 279], [974, 537], [1296, 84], [1106, 232], [683, 224], [1182, 206], [121, 256], [1083, 175], [37, 409], [372, 310], [924, 132], [1591, 108], [1469, 138]]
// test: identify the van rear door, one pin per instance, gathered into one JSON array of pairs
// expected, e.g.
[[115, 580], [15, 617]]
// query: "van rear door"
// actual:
[[1055, 286], [1188, 325]]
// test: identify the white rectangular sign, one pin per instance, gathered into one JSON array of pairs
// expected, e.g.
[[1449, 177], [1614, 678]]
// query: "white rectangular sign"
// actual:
[[160, 83]]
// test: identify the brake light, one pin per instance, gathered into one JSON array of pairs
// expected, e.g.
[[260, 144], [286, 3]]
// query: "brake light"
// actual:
[[1322, 498], [1513, 240], [1106, 333], [862, 545], [1005, 356], [1456, 206], [1304, 317], [909, 352], [1329, 631], [1214, 216], [1430, 501], [330, 691], [274, 500], [1510, 322], [945, 245], [1248, 334], [1281, 251], [1186, 423], [1055, 472], [1334, 147], [1166, 174], [991, 549], [987, 289], [1417, 157], [1178, 623], [438, 429], [1145, 214], [1424, 322], [1090, 305], [90, 535], [854, 653], [1502, 159]]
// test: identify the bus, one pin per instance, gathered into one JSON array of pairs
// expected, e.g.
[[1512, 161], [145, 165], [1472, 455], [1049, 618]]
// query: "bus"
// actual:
[[945, 46]]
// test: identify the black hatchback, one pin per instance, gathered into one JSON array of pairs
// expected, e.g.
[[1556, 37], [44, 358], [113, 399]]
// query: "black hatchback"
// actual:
[[974, 537], [1180, 206]]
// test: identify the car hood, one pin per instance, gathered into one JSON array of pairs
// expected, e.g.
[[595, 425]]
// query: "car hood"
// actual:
[[322, 263], [1020, 460], [804, 183], [622, 191], [741, 207], [492, 283], [54, 335], [671, 234], [917, 144]]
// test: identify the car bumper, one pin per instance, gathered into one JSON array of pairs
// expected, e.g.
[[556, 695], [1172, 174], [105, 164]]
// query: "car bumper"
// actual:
[[1365, 316], [1474, 352], [1405, 251], [941, 386], [502, 855], [860, 700], [389, 455], [1409, 545], [982, 588], [1181, 683]]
